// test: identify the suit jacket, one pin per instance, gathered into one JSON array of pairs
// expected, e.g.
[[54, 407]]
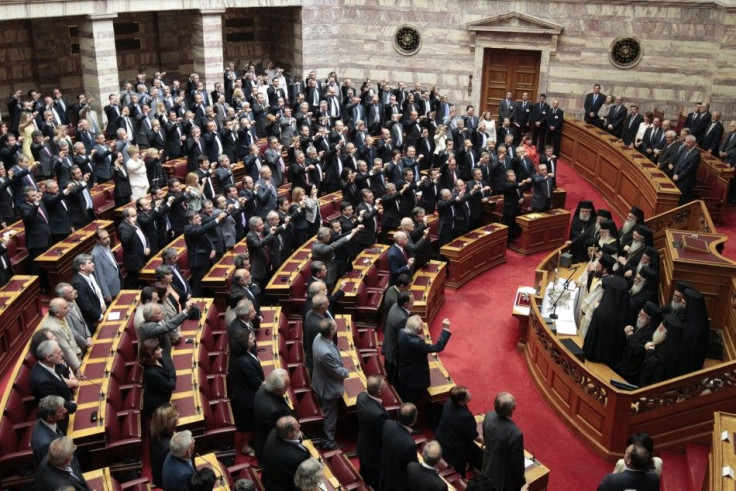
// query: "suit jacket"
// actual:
[[59, 221], [41, 439], [503, 460], [65, 337], [267, 409], [506, 109], [422, 478], [51, 477], [43, 384], [280, 461], [711, 139], [542, 197], [395, 322], [199, 244], [556, 119], [591, 107], [686, 168], [88, 302], [615, 117], [37, 228], [371, 418], [79, 327], [176, 473], [245, 378], [456, 432], [266, 197], [133, 248], [259, 254], [397, 263], [310, 332], [630, 128], [413, 364], [629, 479], [397, 451], [326, 253], [328, 373]]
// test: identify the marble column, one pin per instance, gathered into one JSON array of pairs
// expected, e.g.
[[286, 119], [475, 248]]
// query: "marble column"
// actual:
[[99, 60], [207, 46]]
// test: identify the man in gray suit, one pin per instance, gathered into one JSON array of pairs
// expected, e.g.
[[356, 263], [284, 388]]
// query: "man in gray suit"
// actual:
[[395, 321], [74, 318], [154, 325], [327, 378], [55, 321], [106, 270], [323, 251], [274, 159]]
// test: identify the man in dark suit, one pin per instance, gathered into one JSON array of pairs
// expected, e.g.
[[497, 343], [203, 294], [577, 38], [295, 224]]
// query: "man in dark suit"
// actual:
[[195, 147], [506, 108], [637, 474], [615, 117], [282, 454], [60, 467], [175, 137], [503, 460], [593, 103], [395, 322], [269, 406], [258, 244], [371, 418], [542, 185], [51, 411], [136, 248], [200, 249], [413, 350], [630, 126], [397, 449], [654, 140], [686, 169], [425, 476], [713, 134], [60, 224], [555, 121], [398, 260], [539, 121], [327, 378], [701, 125], [367, 216], [47, 379], [513, 197], [90, 299], [178, 467], [323, 250], [36, 223]]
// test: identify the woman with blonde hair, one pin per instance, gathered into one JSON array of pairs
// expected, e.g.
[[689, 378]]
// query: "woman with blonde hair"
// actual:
[[298, 220], [154, 170], [136, 173], [163, 427], [194, 192]]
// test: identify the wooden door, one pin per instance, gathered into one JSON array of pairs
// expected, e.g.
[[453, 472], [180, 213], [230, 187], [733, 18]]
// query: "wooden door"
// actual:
[[511, 70]]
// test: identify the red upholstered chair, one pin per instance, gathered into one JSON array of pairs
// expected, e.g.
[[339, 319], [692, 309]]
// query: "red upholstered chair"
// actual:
[[104, 207], [212, 342], [213, 319], [298, 294], [213, 364], [306, 407], [180, 170], [219, 427], [457, 482], [124, 399], [299, 378], [117, 251], [18, 253], [382, 263], [124, 374], [22, 384], [374, 281], [245, 471], [16, 457], [372, 365], [291, 353], [344, 471], [123, 439], [390, 398], [366, 340], [20, 413], [367, 305], [292, 331], [213, 386], [140, 484]]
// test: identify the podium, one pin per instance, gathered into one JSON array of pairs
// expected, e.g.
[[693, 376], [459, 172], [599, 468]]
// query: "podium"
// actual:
[[475, 252], [541, 231]]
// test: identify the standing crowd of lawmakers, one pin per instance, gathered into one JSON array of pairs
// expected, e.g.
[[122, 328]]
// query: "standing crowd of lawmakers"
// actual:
[[400, 152]]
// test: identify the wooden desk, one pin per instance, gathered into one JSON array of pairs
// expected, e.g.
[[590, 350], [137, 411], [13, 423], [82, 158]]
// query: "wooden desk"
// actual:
[[722, 452], [100, 480], [368, 264], [148, 273], [541, 231], [218, 278], [623, 176], [537, 475], [708, 271], [428, 288], [210, 460], [475, 252], [279, 286], [330, 481], [20, 313], [356, 381], [440, 381], [57, 261]]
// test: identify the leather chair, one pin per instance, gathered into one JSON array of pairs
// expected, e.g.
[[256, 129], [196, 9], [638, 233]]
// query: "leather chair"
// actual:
[[293, 331], [124, 399], [299, 378], [17, 465], [123, 432], [306, 407], [214, 387], [22, 384], [344, 471], [20, 413], [219, 428]]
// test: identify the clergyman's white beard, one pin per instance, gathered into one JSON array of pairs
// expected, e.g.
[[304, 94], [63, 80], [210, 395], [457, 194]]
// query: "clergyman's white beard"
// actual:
[[635, 246], [641, 322], [659, 336], [636, 287], [583, 218], [675, 306], [627, 226]]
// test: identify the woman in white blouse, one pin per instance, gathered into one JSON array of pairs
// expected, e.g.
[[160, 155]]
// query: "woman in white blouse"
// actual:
[[137, 176], [648, 116]]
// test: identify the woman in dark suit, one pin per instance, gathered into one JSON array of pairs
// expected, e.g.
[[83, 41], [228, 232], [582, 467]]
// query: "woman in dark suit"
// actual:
[[245, 378], [159, 376], [457, 431], [123, 191], [163, 426]]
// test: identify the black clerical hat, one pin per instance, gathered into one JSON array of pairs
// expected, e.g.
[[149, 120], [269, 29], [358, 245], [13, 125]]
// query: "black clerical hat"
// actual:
[[638, 213], [607, 262], [649, 275], [681, 286], [671, 321], [652, 309], [604, 213]]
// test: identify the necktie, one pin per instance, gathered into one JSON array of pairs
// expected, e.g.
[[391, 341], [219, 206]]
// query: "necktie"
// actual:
[[43, 215]]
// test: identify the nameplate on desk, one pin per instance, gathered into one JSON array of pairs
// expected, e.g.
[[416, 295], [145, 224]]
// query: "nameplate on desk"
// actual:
[[727, 472], [725, 436], [113, 316]]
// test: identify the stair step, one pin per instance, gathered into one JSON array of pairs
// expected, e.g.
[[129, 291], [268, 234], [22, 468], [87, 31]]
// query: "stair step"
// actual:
[[697, 465], [674, 472]]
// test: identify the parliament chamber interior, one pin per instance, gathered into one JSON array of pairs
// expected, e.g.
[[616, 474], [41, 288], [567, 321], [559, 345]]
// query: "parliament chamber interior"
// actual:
[[236, 238]]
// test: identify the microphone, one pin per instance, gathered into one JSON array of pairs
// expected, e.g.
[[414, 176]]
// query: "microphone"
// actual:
[[554, 315], [102, 392]]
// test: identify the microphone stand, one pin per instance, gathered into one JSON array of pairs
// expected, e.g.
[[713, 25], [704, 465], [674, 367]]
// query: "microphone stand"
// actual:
[[554, 315]]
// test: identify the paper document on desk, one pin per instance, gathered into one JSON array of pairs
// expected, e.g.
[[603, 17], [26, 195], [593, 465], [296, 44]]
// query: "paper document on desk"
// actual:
[[566, 327], [528, 463]]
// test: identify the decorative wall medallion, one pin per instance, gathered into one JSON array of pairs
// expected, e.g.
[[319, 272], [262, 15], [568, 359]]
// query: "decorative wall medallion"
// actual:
[[407, 40], [625, 52]]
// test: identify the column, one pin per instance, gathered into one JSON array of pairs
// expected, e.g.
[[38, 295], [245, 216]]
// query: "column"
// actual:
[[99, 60], [207, 46]]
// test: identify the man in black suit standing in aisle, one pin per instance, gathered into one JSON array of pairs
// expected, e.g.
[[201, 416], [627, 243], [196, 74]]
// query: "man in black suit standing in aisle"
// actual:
[[371, 418], [397, 449], [555, 120], [542, 184], [269, 406], [615, 117], [503, 459], [90, 299], [593, 103], [136, 248], [47, 379], [539, 121], [425, 476], [686, 169], [200, 249], [367, 216], [700, 126], [36, 224], [413, 351], [654, 140], [506, 108], [713, 134]]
